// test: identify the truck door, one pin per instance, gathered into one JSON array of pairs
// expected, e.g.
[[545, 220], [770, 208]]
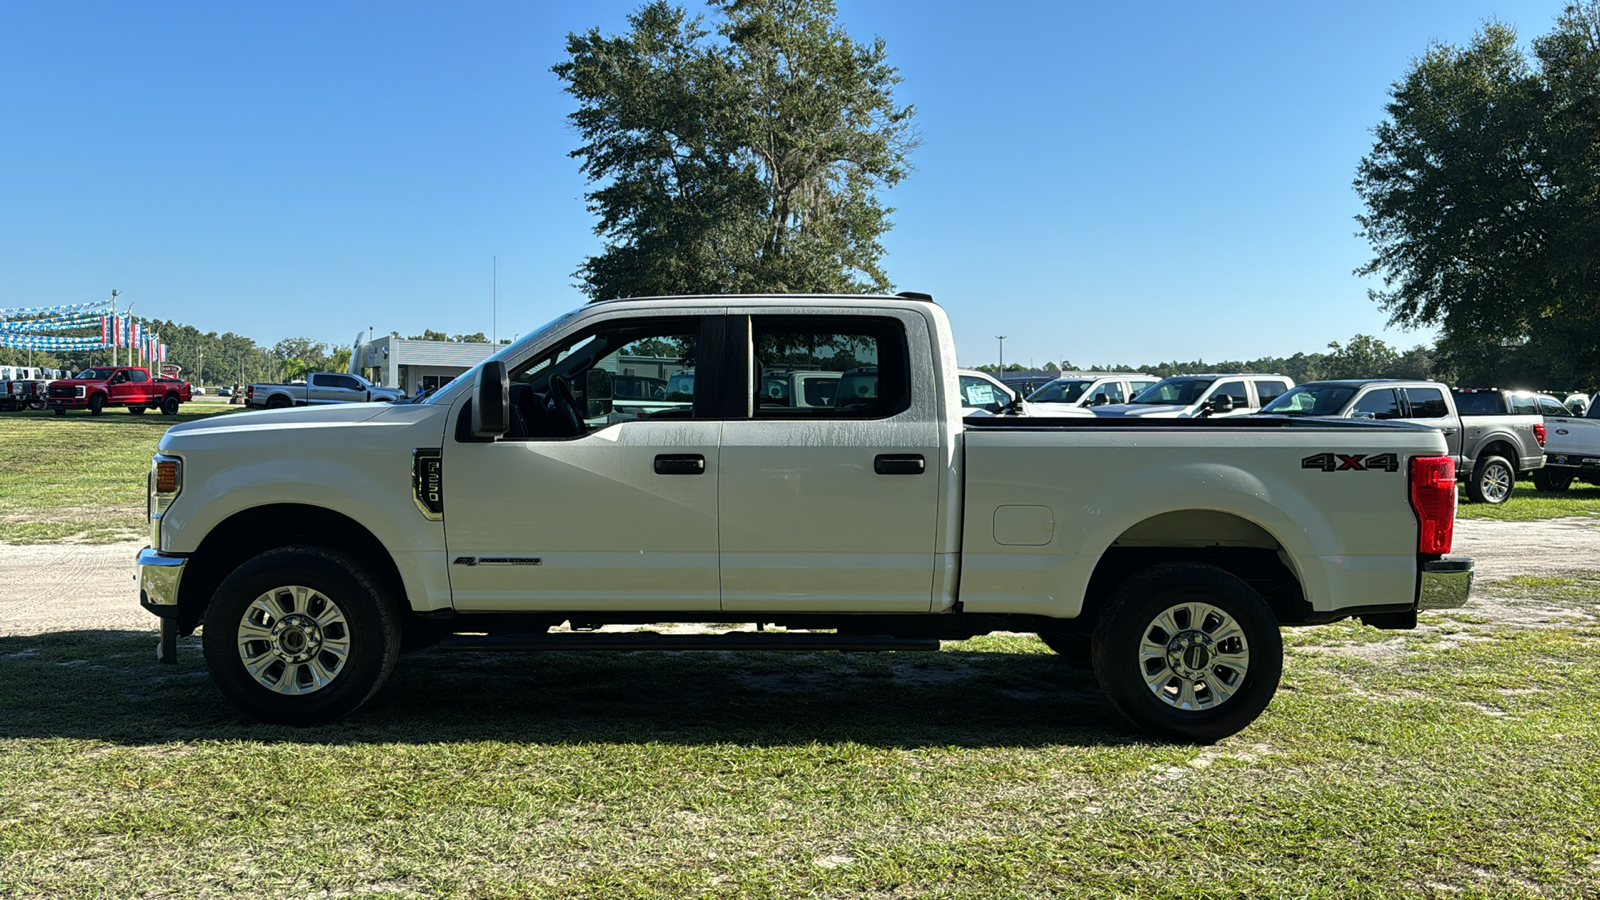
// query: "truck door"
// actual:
[[583, 511], [132, 390], [1427, 406], [833, 507]]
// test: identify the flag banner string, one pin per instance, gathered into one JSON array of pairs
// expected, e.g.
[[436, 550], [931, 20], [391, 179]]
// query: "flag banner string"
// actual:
[[57, 324], [17, 312], [39, 342]]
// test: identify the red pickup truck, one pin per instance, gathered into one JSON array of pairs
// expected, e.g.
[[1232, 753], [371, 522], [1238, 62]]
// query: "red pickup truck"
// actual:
[[100, 387]]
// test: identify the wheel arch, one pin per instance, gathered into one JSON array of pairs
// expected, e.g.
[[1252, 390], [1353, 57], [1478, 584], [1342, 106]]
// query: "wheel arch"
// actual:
[[1234, 543], [251, 532]]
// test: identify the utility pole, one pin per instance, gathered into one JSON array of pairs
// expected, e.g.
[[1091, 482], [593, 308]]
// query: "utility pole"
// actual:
[[114, 294], [1002, 339]]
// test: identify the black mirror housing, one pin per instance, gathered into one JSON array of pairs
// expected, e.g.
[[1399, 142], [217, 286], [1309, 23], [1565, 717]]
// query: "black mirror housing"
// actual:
[[1222, 403], [491, 405]]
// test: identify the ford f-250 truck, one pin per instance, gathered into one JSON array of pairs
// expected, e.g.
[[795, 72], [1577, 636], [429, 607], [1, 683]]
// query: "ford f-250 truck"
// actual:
[[130, 386], [307, 542]]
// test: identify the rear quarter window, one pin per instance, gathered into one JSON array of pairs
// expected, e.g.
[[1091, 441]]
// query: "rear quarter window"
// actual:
[[1478, 403]]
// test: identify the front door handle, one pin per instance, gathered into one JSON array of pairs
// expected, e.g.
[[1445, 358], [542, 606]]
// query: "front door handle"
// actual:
[[1447, 430], [899, 464], [680, 464]]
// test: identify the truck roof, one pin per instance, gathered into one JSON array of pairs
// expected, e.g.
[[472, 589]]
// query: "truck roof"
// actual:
[[903, 296]]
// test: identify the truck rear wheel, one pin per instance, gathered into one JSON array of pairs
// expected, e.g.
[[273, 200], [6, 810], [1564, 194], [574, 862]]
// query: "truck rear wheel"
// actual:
[[1493, 480], [97, 404], [277, 402], [1188, 652], [1552, 481], [300, 636], [169, 405]]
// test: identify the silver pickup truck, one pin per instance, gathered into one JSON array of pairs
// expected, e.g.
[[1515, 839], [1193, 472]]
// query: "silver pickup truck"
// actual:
[[1572, 452], [321, 388], [1493, 435]]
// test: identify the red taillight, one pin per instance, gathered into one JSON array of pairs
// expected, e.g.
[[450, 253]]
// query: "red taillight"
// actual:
[[1433, 497], [249, 391], [1538, 433]]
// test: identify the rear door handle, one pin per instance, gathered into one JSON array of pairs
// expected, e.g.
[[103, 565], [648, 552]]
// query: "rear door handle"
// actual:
[[680, 464], [899, 464]]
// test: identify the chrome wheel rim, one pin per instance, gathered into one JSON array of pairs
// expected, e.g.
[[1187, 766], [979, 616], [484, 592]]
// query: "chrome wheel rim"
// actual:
[[294, 640], [1496, 483], [1194, 656]]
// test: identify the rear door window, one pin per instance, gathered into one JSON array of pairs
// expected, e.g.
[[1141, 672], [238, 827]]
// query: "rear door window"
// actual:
[[1269, 389], [1377, 404], [868, 356], [1427, 403]]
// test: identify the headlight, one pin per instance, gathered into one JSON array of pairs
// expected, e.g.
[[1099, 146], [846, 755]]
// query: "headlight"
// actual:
[[166, 482]]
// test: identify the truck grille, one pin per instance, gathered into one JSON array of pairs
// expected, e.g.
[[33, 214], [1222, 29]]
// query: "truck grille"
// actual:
[[65, 390]]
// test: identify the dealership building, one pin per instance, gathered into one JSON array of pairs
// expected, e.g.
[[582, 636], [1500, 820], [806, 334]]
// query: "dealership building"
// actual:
[[396, 362]]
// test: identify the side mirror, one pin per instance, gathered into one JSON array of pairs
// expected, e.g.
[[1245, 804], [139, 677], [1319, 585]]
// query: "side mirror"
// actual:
[[597, 394], [491, 406], [1222, 403], [1100, 400]]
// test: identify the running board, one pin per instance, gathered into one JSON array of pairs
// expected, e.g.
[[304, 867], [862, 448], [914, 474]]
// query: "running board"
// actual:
[[651, 640]]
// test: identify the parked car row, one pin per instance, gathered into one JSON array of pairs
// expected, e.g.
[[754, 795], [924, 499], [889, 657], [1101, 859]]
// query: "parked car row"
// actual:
[[23, 387], [1495, 436]]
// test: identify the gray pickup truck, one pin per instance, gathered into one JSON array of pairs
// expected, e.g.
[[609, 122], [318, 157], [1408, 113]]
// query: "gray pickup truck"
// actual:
[[1494, 435], [321, 388]]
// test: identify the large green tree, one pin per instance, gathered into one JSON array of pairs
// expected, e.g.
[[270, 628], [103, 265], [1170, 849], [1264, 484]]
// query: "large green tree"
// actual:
[[747, 159], [1482, 196]]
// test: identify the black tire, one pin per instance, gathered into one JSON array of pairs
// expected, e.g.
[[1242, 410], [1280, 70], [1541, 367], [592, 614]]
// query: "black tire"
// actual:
[[279, 402], [1553, 482], [285, 596], [36, 405], [169, 405], [1070, 641], [136, 410], [1148, 608], [1493, 481], [97, 404]]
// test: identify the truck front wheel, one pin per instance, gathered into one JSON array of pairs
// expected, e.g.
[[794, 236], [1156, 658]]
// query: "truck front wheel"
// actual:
[[97, 404], [300, 636], [1188, 652]]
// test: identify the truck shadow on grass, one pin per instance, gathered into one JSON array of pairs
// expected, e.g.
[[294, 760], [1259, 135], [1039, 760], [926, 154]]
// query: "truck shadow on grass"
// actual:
[[107, 686]]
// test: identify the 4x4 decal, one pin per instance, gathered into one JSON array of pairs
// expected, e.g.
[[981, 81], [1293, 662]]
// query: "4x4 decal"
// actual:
[[1352, 462]]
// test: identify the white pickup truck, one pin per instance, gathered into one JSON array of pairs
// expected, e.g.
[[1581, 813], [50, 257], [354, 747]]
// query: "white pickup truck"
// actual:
[[1163, 553]]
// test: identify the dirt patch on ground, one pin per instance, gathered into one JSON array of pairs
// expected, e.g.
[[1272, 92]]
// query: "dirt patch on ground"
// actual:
[[57, 587]]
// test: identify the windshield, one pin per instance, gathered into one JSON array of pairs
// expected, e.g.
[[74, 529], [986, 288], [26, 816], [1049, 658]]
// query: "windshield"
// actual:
[[1310, 400], [1174, 391], [1060, 391]]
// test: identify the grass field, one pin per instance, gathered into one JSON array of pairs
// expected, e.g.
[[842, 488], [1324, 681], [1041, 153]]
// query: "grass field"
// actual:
[[1455, 761], [81, 477]]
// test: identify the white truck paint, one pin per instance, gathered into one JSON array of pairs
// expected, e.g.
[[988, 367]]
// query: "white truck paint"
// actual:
[[508, 502]]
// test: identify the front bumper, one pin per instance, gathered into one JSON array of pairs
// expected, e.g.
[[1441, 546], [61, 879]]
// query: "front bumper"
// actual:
[[159, 577], [1446, 584]]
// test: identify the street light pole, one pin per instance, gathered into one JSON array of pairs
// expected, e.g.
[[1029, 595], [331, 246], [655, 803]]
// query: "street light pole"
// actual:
[[1002, 339], [114, 332]]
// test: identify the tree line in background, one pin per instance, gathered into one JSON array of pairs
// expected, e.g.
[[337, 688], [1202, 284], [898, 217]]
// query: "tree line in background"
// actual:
[[1482, 196]]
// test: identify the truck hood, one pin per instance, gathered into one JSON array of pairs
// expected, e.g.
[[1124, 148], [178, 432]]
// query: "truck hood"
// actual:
[[1141, 410], [292, 425]]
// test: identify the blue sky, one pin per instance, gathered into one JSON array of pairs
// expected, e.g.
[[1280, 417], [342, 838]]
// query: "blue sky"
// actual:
[[1105, 183]]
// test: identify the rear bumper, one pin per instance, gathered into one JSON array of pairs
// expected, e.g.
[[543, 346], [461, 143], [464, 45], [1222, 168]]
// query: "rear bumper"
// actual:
[[159, 577], [1579, 463], [1446, 584]]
